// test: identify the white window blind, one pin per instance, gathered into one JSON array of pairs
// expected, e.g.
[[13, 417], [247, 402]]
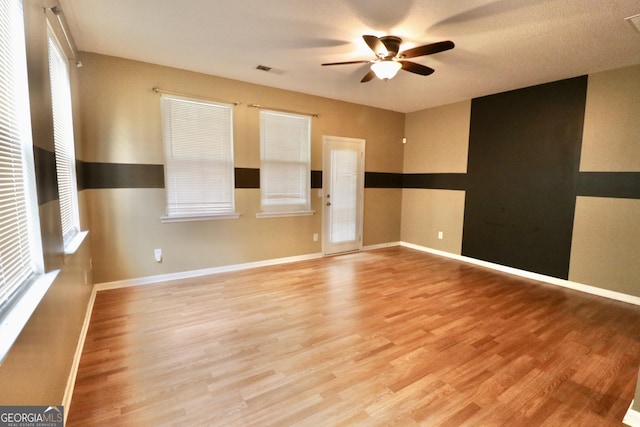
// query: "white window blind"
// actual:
[[64, 141], [20, 251], [199, 170], [285, 141]]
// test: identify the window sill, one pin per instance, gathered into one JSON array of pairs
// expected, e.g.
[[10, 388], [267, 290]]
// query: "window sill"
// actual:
[[283, 214], [14, 317], [188, 218], [73, 245]]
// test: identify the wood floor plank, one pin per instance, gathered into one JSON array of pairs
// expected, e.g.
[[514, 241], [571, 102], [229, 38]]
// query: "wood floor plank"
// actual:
[[386, 337]]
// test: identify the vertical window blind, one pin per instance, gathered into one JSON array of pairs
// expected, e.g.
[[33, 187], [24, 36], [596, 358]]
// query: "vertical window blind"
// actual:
[[64, 141], [198, 144], [285, 175], [20, 258]]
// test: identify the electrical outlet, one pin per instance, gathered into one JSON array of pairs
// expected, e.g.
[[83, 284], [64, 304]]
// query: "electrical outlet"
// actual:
[[157, 254], [315, 237], [440, 235]]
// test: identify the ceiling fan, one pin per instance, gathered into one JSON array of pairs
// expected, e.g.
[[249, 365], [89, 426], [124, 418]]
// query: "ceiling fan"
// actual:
[[389, 60]]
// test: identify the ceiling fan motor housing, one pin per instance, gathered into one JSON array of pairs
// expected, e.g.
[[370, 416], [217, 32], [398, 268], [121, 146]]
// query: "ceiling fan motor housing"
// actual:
[[392, 43]]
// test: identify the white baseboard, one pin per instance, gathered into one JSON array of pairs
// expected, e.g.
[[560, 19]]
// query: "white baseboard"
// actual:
[[593, 290], [214, 270], [75, 364], [632, 418], [618, 296], [204, 272], [380, 246]]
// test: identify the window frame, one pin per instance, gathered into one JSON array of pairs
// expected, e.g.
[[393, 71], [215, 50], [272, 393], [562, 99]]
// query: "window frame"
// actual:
[[177, 142], [274, 200], [64, 143], [23, 291]]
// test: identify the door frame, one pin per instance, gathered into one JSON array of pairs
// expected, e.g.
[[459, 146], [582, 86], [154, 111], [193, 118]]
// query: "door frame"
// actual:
[[326, 179]]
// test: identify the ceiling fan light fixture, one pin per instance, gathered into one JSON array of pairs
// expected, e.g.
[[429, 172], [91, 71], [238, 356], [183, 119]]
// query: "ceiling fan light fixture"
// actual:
[[385, 70], [386, 67]]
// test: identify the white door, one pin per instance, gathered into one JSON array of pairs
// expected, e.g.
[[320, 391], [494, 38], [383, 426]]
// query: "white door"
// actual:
[[343, 194]]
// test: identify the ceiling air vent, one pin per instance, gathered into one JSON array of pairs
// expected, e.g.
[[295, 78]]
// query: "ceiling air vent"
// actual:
[[634, 21], [270, 70]]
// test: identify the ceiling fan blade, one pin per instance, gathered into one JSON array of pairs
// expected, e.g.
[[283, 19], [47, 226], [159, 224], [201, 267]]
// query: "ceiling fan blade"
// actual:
[[428, 49], [376, 46], [412, 67], [347, 62], [370, 75]]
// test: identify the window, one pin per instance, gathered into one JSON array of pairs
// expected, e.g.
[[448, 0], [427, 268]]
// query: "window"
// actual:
[[64, 142], [199, 171], [285, 141], [21, 266]]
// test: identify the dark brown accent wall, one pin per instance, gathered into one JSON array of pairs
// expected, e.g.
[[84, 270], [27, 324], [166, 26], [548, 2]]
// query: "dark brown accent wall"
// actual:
[[623, 185], [119, 175], [114, 175], [250, 178], [435, 181], [316, 179], [382, 180], [247, 178], [524, 158]]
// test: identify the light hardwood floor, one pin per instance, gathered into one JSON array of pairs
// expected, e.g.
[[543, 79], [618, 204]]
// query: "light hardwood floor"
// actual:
[[385, 337]]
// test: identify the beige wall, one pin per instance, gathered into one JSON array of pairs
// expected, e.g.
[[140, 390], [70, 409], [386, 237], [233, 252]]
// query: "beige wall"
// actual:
[[605, 250], [438, 139], [636, 401], [611, 141], [437, 142], [426, 212], [121, 115], [36, 370], [121, 124], [606, 234], [129, 228], [381, 216]]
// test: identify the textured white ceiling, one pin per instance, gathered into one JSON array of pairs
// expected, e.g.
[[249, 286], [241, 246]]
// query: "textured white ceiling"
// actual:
[[500, 44]]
